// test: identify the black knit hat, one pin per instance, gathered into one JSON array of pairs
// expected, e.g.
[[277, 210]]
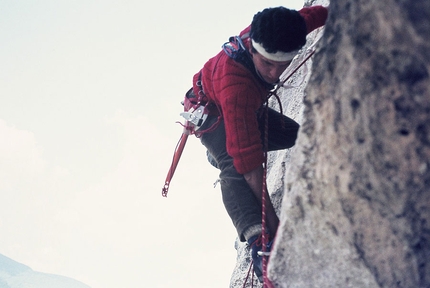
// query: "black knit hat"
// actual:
[[278, 31]]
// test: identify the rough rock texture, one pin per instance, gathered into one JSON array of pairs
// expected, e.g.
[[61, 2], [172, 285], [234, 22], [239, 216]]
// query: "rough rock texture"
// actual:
[[354, 193], [356, 209]]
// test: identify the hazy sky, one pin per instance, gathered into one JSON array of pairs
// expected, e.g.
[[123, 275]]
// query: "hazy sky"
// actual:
[[89, 95]]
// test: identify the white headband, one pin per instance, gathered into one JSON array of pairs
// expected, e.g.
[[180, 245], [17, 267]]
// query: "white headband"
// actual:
[[279, 56]]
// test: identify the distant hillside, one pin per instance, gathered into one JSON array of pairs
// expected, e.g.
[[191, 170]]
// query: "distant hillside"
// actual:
[[17, 275]]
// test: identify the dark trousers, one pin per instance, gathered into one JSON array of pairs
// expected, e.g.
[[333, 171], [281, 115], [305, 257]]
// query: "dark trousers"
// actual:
[[239, 200]]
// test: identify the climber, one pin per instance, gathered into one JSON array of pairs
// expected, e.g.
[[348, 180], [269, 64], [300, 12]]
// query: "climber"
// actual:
[[236, 89]]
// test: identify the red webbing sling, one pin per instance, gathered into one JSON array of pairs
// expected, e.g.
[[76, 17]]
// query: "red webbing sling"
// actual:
[[176, 156]]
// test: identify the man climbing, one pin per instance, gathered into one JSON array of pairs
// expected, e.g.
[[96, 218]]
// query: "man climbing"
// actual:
[[235, 84]]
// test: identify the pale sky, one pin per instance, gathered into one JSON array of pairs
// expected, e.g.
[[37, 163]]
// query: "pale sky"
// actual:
[[89, 95]]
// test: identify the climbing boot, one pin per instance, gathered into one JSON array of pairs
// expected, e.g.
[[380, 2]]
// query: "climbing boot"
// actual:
[[255, 243]]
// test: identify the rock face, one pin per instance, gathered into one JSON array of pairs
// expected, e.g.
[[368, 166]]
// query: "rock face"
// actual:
[[354, 193], [355, 209]]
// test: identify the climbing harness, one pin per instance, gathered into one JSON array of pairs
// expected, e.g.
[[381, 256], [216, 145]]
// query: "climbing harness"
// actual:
[[195, 115], [196, 111]]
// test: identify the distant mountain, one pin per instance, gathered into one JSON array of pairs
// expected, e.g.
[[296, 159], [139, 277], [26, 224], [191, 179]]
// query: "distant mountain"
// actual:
[[17, 275]]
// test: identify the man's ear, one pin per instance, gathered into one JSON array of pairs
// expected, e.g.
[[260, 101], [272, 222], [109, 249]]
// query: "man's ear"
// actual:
[[250, 50]]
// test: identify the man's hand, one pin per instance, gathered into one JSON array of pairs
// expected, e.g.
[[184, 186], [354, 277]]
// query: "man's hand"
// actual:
[[254, 179]]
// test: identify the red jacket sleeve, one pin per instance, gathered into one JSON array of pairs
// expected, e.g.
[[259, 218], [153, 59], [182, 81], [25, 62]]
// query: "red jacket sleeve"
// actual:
[[315, 17], [235, 91]]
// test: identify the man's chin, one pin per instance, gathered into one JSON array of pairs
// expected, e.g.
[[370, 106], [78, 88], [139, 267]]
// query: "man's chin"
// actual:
[[271, 81], [268, 80]]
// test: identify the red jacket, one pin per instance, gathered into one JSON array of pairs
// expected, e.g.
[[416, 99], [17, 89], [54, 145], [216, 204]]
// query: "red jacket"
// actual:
[[239, 95]]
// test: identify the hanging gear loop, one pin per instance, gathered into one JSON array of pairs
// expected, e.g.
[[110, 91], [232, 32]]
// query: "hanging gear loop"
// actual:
[[176, 156], [196, 111]]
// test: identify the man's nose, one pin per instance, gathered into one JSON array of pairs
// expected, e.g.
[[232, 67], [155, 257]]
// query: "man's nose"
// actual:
[[276, 72]]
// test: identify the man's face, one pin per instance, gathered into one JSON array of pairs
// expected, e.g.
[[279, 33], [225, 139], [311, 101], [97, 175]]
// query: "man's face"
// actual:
[[268, 69]]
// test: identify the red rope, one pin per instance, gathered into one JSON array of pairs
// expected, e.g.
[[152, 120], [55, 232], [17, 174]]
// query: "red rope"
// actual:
[[176, 156], [265, 236], [247, 276], [265, 239], [292, 72]]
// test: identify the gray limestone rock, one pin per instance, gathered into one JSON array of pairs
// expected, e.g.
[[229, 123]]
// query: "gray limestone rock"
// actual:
[[355, 211]]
